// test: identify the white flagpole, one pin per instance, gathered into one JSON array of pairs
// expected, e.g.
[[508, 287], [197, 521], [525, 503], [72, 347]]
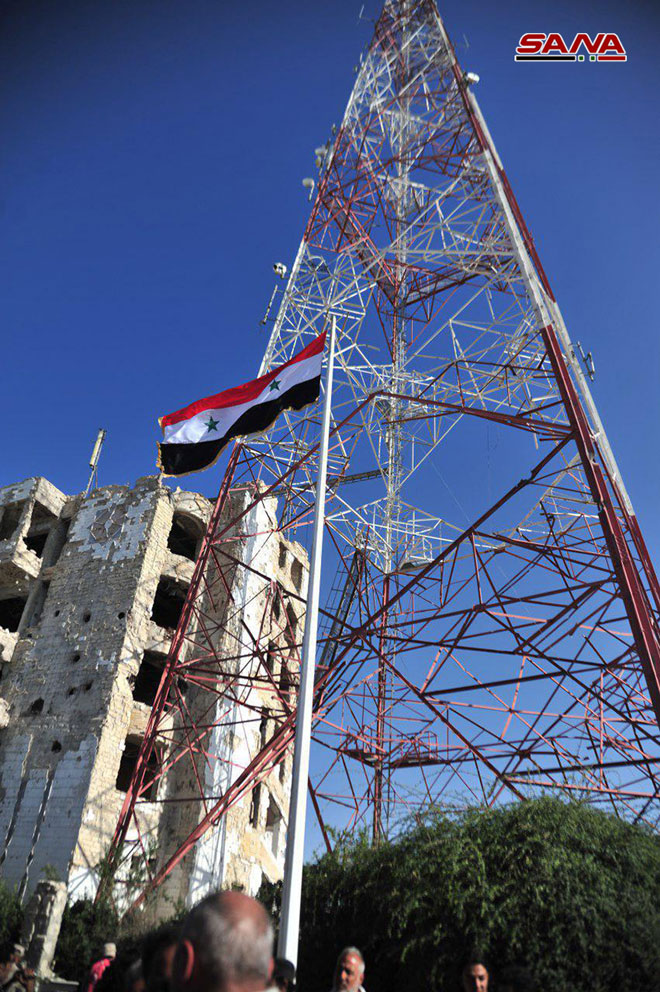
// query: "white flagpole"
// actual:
[[295, 841]]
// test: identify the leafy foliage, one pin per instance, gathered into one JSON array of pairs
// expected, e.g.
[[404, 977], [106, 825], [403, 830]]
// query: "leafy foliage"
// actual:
[[11, 917], [85, 928], [570, 891], [87, 925]]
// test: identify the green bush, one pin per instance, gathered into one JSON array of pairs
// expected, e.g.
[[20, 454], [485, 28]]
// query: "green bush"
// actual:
[[11, 918], [571, 891], [85, 928]]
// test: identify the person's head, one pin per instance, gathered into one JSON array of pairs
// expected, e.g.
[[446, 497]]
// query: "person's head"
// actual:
[[17, 953], [134, 977], [349, 970], [158, 949], [284, 974], [225, 945], [516, 979], [474, 976], [109, 950]]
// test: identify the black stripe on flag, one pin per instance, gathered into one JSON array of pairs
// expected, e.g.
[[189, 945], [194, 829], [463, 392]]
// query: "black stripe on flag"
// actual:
[[180, 459]]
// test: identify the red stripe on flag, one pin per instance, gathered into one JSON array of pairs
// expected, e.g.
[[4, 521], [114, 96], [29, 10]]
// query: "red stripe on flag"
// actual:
[[241, 394]]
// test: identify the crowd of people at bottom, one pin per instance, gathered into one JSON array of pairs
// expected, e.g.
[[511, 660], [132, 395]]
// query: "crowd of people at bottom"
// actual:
[[225, 945]]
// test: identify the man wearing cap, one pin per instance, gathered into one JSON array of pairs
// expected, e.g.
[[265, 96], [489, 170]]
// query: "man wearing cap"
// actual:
[[97, 969]]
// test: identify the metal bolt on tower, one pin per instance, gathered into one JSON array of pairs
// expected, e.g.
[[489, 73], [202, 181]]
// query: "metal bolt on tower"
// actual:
[[490, 621]]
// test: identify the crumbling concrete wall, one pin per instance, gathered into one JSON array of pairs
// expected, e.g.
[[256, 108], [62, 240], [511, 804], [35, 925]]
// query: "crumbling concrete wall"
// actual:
[[41, 926], [98, 583], [121, 535], [255, 829], [44, 763], [69, 684], [31, 536], [249, 840]]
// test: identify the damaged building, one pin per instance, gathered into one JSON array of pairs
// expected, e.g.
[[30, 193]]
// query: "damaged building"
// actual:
[[91, 590]]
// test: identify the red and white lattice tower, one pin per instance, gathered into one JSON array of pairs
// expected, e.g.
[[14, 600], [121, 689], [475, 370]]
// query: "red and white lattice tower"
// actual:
[[489, 618]]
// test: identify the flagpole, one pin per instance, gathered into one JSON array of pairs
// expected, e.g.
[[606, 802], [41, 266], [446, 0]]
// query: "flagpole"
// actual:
[[295, 841]]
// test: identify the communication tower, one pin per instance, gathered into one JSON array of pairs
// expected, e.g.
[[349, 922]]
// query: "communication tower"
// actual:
[[489, 622]]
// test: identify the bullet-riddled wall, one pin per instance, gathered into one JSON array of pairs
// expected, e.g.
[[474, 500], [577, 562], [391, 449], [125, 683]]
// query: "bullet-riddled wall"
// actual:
[[90, 593]]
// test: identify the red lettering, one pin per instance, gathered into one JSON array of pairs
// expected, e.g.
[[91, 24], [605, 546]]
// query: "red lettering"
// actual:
[[554, 43], [583, 39], [530, 44], [611, 45]]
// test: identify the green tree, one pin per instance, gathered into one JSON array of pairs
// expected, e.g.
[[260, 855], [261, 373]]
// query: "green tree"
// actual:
[[11, 918], [569, 890], [85, 928]]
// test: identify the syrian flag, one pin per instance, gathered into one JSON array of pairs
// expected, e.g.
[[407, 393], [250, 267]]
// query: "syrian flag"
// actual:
[[194, 437]]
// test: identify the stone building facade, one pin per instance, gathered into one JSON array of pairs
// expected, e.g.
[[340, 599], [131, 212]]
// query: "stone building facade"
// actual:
[[90, 593]]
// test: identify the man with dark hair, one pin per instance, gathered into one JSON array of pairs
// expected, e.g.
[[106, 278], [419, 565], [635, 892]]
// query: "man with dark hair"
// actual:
[[284, 975], [349, 971], [474, 976], [225, 945]]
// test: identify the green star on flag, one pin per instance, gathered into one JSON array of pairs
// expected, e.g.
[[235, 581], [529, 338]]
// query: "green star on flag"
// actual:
[[195, 436]]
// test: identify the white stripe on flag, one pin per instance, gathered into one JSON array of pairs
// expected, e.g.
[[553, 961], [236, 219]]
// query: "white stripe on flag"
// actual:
[[197, 427]]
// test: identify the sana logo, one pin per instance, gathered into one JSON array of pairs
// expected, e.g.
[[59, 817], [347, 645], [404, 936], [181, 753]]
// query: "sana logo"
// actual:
[[552, 48]]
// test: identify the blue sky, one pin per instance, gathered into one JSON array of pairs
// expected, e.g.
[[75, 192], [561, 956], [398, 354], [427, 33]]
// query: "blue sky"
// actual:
[[153, 152]]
